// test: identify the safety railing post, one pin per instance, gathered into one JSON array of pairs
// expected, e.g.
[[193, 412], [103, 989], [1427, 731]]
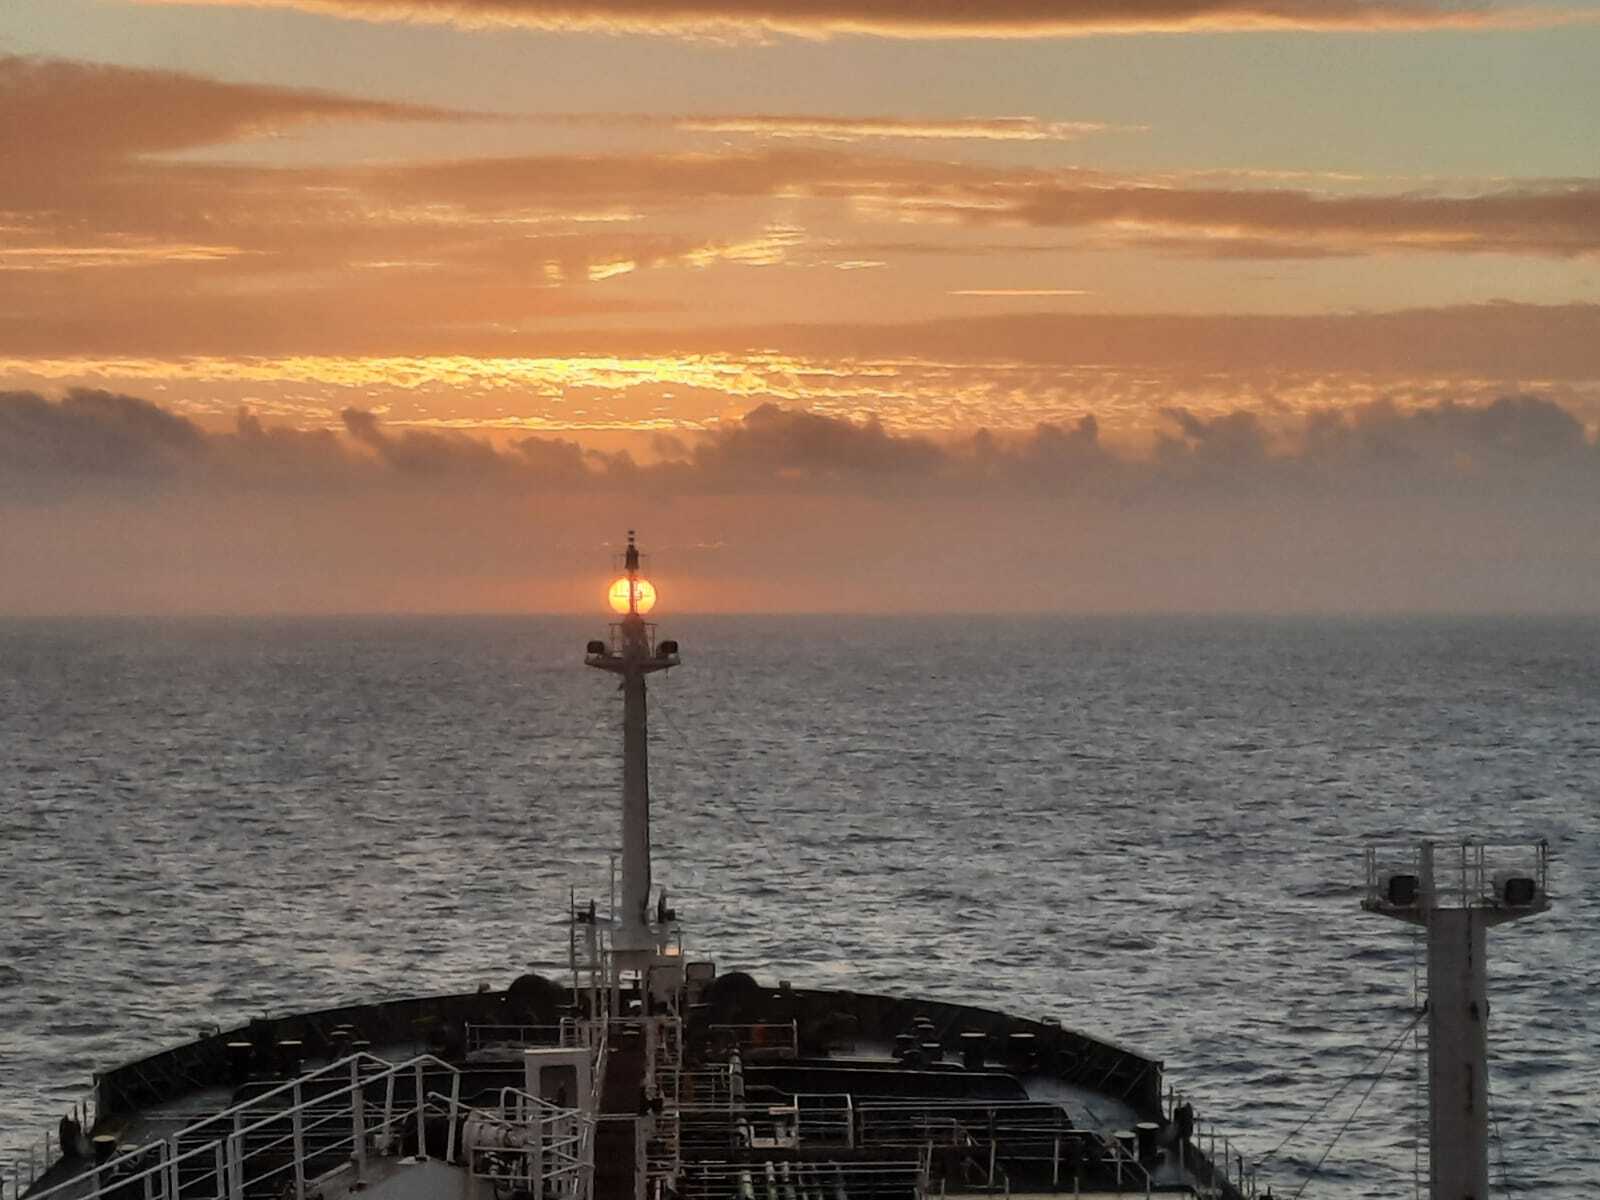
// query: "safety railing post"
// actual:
[[536, 1156], [236, 1160], [220, 1158], [388, 1106], [651, 1038], [172, 1168], [455, 1115], [299, 1127], [422, 1123], [358, 1118]]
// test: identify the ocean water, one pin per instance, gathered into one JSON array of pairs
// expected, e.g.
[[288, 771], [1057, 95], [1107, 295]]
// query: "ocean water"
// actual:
[[1150, 828]]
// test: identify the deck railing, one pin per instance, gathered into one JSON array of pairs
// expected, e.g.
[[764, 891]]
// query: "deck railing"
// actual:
[[485, 1037], [989, 1136], [1464, 875], [534, 1146], [295, 1134], [30, 1162], [1223, 1167], [826, 1118], [788, 1180], [769, 1040], [700, 1088]]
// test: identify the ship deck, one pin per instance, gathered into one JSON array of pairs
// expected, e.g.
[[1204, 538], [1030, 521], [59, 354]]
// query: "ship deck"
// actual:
[[780, 1094]]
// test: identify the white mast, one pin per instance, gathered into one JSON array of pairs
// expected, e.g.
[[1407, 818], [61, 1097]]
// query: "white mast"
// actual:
[[1456, 902], [633, 654]]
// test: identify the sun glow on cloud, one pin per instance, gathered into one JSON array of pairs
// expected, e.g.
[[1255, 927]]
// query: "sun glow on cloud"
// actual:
[[850, 129], [923, 19], [1016, 292], [497, 280], [594, 394], [83, 258]]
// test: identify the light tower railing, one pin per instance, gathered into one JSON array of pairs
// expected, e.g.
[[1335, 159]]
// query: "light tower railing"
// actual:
[[1466, 875]]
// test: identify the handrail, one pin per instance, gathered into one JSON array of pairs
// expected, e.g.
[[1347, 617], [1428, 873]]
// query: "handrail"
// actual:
[[1458, 874], [41, 1154], [481, 1037], [527, 1101], [864, 1178], [887, 1103], [1243, 1180], [157, 1163], [556, 1156], [1120, 1155], [755, 1037]]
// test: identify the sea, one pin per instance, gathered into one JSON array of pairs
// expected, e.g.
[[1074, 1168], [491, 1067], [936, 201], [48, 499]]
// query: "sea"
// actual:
[[1152, 829]]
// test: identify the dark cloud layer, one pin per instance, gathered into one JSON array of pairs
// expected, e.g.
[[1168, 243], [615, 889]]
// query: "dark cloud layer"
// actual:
[[111, 504], [91, 439], [94, 435]]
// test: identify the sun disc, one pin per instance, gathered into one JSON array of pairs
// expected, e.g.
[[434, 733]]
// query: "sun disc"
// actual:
[[644, 595]]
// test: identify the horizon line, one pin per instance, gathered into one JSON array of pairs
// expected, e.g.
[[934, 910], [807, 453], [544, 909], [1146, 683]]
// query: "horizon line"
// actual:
[[862, 614]]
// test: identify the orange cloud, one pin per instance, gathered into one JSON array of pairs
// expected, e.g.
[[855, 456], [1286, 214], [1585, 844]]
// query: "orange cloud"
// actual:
[[1559, 219], [855, 129], [106, 249], [939, 18], [60, 112], [848, 129], [1016, 293], [947, 377]]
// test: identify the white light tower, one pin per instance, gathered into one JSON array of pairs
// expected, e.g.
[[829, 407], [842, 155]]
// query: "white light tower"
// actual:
[[633, 653], [1456, 898]]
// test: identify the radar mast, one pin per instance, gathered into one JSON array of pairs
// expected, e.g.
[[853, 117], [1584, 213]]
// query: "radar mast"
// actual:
[[1455, 897], [639, 936]]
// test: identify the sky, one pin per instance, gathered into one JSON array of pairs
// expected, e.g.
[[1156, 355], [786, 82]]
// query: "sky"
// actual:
[[845, 305]]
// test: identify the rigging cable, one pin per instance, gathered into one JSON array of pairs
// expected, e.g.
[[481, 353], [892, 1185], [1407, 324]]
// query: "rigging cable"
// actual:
[[1416, 1069], [1397, 1044], [1500, 1144], [1389, 1048]]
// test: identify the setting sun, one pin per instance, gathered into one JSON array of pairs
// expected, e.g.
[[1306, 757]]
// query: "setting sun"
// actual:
[[644, 595]]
